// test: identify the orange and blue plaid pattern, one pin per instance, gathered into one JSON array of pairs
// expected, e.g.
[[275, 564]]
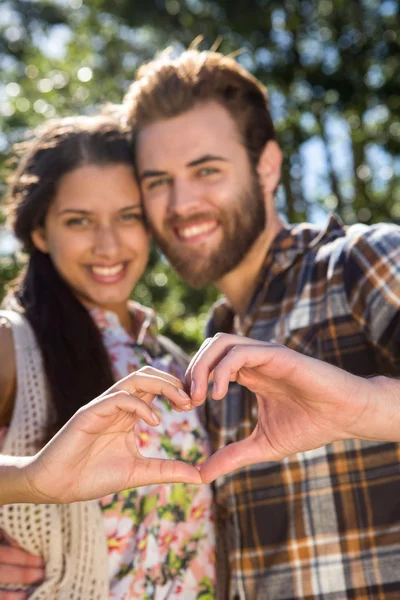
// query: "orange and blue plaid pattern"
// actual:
[[324, 524]]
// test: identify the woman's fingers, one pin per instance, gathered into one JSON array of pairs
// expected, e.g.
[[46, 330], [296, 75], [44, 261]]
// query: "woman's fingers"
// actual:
[[230, 458], [98, 415], [162, 374], [148, 382], [150, 471]]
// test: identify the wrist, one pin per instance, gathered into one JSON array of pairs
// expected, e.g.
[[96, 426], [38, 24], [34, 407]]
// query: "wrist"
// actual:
[[14, 480], [380, 419]]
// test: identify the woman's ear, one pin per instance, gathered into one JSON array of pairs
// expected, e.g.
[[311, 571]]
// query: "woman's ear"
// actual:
[[269, 166], [39, 239]]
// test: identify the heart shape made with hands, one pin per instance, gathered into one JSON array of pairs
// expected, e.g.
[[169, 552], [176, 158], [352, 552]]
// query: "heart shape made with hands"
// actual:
[[301, 403], [301, 406]]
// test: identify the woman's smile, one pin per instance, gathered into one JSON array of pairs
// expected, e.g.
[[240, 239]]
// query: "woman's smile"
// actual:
[[108, 273]]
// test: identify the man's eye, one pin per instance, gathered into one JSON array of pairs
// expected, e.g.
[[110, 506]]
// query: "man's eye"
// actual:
[[158, 182], [205, 171], [77, 222]]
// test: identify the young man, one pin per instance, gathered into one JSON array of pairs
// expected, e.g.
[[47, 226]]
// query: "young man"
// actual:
[[323, 524]]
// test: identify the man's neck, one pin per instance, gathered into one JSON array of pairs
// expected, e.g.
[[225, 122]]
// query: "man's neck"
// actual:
[[239, 285]]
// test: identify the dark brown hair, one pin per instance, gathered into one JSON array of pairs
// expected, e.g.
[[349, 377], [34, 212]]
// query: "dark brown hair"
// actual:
[[76, 363], [166, 88]]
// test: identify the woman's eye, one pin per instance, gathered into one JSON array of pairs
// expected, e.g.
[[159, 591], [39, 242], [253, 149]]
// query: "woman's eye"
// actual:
[[77, 222], [132, 217]]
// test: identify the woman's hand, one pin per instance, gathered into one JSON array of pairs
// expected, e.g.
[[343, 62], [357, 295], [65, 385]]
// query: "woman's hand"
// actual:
[[303, 403], [96, 453]]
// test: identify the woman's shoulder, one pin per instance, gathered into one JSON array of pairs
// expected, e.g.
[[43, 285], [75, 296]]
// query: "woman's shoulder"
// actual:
[[8, 370]]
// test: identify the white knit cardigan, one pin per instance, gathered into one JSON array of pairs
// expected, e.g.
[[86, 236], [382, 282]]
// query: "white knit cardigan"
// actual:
[[71, 537]]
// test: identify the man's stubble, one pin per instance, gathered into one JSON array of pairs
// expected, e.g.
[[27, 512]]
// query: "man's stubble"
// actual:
[[241, 227]]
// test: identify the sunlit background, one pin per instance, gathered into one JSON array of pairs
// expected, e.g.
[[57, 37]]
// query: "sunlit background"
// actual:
[[332, 69]]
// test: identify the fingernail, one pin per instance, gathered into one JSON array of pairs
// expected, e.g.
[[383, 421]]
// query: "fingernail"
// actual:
[[156, 418], [183, 394], [193, 387], [215, 389], [188, 407]]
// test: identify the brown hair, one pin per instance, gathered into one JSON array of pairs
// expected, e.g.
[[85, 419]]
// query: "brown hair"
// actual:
[[76, 363], [166, 88]]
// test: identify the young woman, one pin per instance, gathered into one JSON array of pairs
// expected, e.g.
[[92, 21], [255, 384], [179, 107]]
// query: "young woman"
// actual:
[[70, 333]]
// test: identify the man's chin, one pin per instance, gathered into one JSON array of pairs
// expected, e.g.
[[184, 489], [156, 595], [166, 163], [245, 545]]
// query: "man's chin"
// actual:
[[196, 279]]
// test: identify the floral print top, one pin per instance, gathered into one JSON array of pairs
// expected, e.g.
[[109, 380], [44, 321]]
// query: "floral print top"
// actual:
[[160, 537]]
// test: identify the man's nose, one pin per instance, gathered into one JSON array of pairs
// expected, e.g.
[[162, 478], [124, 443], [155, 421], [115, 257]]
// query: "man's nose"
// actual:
[[107, 242], [184, 199]]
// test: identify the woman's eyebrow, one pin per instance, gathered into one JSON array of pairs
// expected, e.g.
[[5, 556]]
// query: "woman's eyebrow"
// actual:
[[73, 210], [131, 207]]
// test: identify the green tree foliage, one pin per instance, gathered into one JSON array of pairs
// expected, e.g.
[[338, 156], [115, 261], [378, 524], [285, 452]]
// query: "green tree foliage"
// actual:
[[332, 68]]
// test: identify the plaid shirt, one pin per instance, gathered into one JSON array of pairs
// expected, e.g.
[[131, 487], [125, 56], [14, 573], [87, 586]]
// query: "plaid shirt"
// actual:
[[323, 524]]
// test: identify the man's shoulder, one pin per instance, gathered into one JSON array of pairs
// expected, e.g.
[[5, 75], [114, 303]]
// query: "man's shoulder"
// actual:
[[373, 242], [379, 235]]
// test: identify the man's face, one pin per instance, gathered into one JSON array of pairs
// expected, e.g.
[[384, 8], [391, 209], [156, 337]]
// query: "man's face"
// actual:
[[201, 195]]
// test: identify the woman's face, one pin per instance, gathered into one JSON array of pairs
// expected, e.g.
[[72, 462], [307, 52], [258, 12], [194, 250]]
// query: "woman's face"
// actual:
[[95, 235]]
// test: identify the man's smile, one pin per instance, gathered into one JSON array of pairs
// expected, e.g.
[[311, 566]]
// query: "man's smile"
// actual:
[[194, 233]]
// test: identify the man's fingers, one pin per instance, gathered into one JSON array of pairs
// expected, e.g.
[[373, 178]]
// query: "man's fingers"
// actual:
[[207, 359], [249, 356], [203, 363], [150, 471], [7, 595], [19, 575], [17, 556], [232, 457]]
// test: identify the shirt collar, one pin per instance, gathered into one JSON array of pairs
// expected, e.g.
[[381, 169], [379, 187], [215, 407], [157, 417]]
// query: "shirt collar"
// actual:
[[144, 319], [290, 243]]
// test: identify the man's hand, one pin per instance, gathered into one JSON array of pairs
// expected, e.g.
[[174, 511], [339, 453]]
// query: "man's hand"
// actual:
[[303, 403], [17, 568], [96, 453]]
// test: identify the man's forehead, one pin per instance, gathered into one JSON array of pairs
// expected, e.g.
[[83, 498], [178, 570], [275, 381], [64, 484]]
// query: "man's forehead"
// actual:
[[205, 130]]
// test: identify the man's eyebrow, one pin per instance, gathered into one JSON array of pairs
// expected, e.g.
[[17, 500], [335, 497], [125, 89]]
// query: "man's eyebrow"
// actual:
[[147, 174], [205, 158], [192, 163]]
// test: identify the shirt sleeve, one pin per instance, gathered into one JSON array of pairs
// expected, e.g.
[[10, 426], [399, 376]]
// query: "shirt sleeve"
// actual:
[[372, 281]]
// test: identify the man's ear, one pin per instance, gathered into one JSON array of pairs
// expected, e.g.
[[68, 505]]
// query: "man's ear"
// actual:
[[39, 239], [269, 166]]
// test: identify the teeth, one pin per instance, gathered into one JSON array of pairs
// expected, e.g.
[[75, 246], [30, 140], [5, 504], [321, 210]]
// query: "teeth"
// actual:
[[108, 271], [194, 230]]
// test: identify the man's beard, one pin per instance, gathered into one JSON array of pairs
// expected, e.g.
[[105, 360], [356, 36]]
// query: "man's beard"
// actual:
[[241, 226]]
